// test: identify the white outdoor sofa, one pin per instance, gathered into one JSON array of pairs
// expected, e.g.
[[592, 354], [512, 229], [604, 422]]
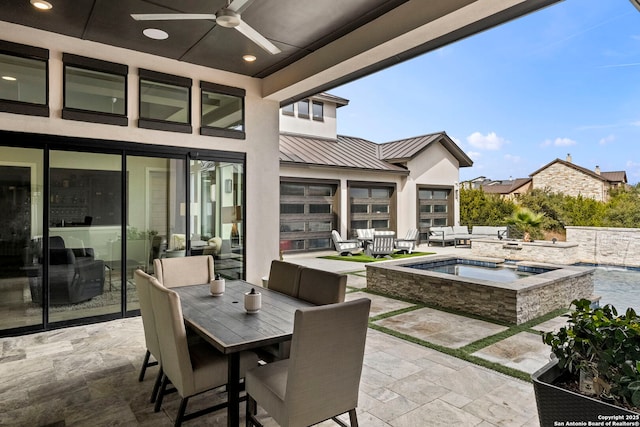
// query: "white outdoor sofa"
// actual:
[[488, 232]]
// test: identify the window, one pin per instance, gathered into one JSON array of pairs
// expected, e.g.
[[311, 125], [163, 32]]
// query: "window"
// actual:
[[318, 111], [23, 79], [222, 109], [303, 109], [94, 91], [287, 110], [165, 102]]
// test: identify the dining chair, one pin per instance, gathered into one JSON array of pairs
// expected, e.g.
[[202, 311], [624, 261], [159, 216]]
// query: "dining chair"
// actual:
[[184, 271], [149, 325], [284, 277], [321, 287], [191, 369], [321, 379]]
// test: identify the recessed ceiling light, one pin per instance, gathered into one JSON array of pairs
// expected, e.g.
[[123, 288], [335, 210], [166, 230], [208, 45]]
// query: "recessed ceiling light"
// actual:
[[156, 34], [9, 78], [41, 4], [249, 58]]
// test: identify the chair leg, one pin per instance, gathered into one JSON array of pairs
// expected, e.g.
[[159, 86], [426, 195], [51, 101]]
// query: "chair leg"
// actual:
[[145, 363], [181, 411], [163, 389], [353, 418], [251, 412], [156, 385]]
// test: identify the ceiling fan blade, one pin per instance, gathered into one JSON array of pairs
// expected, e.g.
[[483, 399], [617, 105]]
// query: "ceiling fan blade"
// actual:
[[257, 38], [171, 16], [238, 6]]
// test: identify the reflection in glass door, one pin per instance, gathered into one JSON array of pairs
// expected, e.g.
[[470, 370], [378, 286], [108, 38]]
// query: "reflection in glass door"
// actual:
[[21, 178], [156, 218], [216, 214], [87, 275]]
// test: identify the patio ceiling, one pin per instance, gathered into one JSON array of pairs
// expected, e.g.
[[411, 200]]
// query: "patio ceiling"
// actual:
[[323, 44]]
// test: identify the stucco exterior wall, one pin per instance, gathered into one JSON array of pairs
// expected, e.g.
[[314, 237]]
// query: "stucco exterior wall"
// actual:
[[608, 246], [433, 166], [261, 119], [566, 180], [326, 128]]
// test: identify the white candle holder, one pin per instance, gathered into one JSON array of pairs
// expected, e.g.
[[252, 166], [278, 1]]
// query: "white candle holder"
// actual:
[[252, 301], [216, 286]]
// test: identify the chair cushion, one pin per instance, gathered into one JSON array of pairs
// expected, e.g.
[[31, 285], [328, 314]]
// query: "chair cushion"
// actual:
[[321, 287], [284, 277], [267, 384]]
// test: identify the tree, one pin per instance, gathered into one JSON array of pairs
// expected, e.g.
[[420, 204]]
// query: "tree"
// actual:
[[479, 208], [528, 222]]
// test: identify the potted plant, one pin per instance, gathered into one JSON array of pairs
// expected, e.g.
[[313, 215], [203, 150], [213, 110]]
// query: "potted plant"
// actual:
[[603, 350]]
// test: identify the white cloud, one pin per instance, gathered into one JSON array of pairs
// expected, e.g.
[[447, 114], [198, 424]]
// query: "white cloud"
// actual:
[[559, 142], [607, 140], [474, 155], [490, 141], [636, 123], [511, 158]]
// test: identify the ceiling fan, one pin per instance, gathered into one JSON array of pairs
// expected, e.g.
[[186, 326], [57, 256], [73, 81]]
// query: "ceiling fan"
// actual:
[[228, 17]]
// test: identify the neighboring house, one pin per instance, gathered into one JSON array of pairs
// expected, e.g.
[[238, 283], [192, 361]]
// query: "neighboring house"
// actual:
[[563, 176], [558, 176], [508, 189], [330, 181]]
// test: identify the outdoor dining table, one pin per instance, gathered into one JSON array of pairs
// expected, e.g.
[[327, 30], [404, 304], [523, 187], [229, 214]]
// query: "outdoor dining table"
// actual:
[[223, 322]]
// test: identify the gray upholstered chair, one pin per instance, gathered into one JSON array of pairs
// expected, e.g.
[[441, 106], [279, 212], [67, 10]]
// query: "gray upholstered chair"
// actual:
[[149, 326], [322, 377], [284, 277], [321, 287], [191, 369], [408, 244], [344, 247], [184, 271]]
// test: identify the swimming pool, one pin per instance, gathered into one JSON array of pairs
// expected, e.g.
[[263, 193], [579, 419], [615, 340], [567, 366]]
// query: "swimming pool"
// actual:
[[618, 286], [480, 270]]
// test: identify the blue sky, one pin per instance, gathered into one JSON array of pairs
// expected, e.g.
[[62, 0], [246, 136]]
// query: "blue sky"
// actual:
[[565, 79]]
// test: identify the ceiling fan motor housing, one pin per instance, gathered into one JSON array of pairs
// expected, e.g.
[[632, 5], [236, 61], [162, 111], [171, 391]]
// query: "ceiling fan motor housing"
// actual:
[[227, 18]]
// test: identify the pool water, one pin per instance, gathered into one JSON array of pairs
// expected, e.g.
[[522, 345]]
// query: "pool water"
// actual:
[[618, 287], [494, 274]]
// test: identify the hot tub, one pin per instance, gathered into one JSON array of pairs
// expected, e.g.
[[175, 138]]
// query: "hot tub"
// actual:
[[532, 290]]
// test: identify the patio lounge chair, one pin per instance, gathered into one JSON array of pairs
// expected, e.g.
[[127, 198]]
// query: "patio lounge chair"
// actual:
[[461, 234], [408, 244], [382, 245], [344, 247], [441, 235]]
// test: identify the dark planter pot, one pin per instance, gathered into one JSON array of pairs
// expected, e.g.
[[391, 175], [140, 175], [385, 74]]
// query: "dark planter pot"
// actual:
[[558, 406]]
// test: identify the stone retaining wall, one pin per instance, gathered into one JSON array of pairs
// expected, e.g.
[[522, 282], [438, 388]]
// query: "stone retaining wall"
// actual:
[[542, 251], [608, 246]]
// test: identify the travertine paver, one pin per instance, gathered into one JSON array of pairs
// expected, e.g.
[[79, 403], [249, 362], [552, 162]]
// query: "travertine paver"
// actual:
[[379, 304], [437, 327], [524, 351]]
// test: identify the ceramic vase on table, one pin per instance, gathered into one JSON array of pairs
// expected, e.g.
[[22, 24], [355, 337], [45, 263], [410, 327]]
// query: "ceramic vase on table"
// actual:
[[252, 301], [217, 287]]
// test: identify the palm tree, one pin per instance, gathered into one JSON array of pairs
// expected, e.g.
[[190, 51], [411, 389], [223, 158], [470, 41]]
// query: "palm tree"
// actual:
[[527, 221]]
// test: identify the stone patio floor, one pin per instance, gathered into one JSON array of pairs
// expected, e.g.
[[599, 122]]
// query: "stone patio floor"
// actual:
[[87, 375]]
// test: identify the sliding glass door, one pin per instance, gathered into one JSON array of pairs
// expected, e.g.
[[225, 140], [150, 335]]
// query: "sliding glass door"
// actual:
[[21, 190]]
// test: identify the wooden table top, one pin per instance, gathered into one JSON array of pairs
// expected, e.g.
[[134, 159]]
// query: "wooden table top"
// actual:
[[225, 324]]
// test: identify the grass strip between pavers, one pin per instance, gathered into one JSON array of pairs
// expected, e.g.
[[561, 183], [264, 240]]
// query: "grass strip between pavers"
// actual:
[[366, 258], [466, 352]]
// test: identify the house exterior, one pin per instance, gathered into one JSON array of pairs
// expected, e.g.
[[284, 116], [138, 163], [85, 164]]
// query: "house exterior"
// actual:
[[330, 181], [564, 176], [508, 189], [134, 147]]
